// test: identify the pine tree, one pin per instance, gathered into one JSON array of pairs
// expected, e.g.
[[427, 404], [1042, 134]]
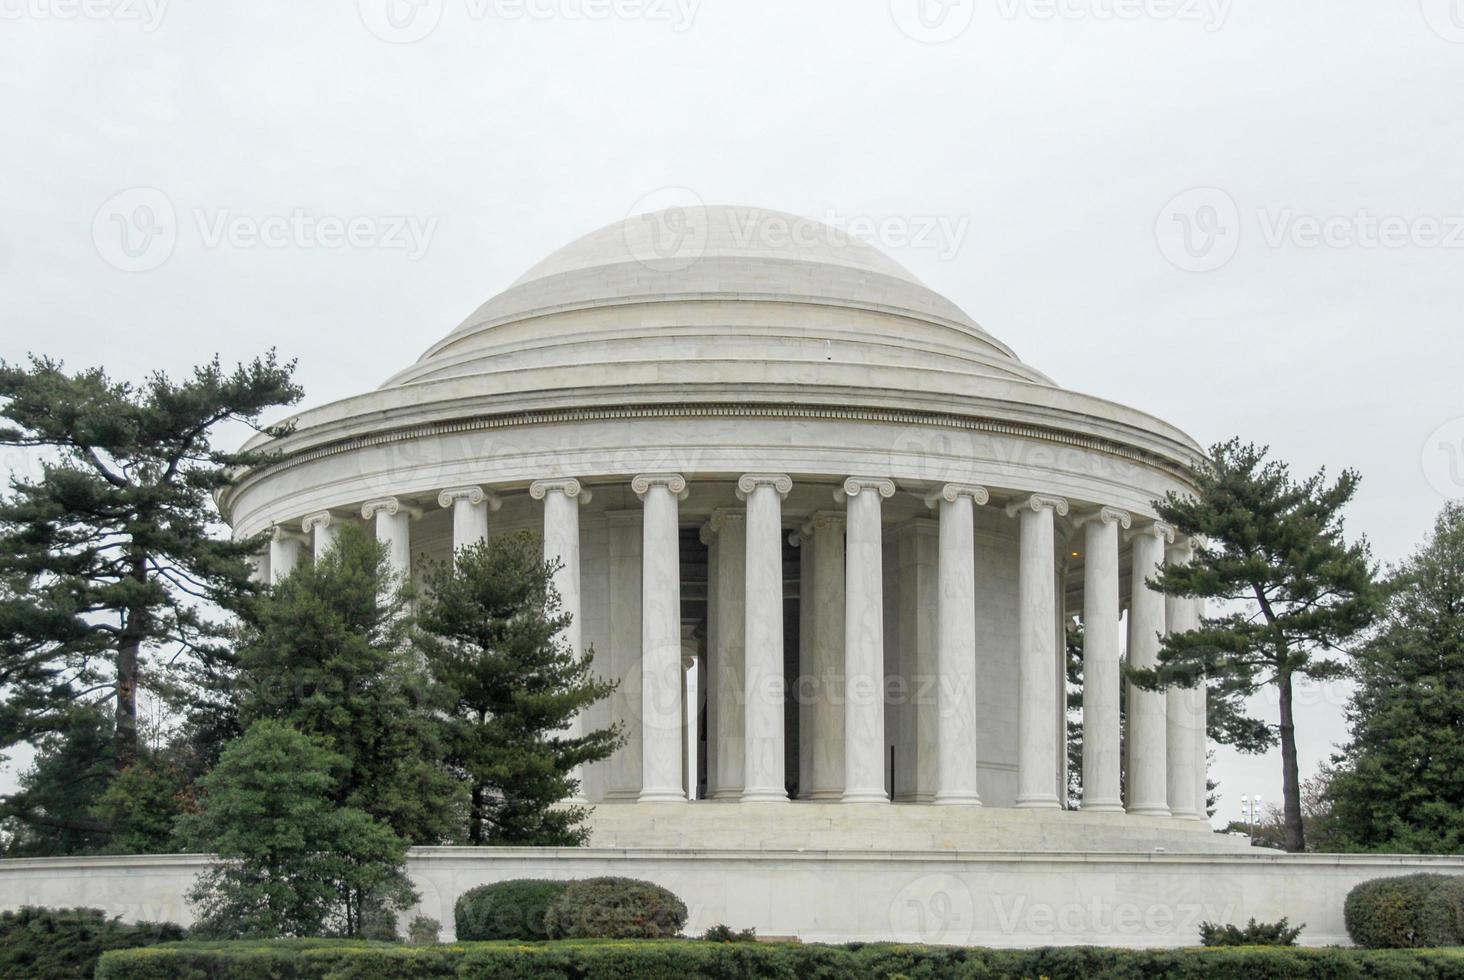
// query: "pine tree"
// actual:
[[326, 651], [490, 630], [1399, 783], [109, 556], [292, 860], [1288, 592]]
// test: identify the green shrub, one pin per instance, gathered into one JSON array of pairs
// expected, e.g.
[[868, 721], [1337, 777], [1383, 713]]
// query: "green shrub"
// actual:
[[423, 930], [1254, 934], [54, 943], [1442, 918], [1387, 913], [615, 908], [726, 934], [506, 910], [689, 959]]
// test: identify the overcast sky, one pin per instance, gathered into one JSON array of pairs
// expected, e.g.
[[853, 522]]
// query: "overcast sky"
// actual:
[[1243, 216]]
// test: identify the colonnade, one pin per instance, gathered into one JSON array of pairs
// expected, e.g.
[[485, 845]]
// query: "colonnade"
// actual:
[[843, 738]]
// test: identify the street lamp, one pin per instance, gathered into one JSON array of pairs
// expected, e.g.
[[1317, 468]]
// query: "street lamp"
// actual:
[[1250, 808]]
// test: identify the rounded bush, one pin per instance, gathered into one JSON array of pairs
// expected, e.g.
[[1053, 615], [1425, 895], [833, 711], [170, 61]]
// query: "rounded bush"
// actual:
[[1442, 919], [513, 909], [1387, 913], [615, 908]]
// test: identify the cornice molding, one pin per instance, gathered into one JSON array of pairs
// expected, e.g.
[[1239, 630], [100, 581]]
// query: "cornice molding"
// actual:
[[476, 423]]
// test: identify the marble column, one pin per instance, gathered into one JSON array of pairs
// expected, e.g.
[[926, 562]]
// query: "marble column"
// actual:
[[1038, 706], [955, 743], [691, 701], [864, 708], [661, 748], [825, 698], [623, 543], [393, 529], [470, 507], [763, 618], [916, 592], [806, 690], [726, 533], [284, 552], [1148, 792], [1179, 742], [323, 531], [1202, 732], [1102, 651], [562, 500]]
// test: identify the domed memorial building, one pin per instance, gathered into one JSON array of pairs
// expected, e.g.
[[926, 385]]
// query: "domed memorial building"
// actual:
[[825, 530]]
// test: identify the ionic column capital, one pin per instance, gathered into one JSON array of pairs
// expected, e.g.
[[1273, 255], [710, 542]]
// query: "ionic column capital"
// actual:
[[821, 520], [1158, 529], [1036, 503], [476, 496], [1106, 515], [673, 482], [1181, 550], [855, 485], [721, 518], [570, 487], [321, 518], [952, 492], [390, 506], [748, 482]]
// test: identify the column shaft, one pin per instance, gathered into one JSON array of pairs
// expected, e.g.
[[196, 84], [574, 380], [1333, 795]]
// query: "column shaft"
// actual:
[[1202, 736], [1038, 705], [956, 748], [1179, 750], [864, 735], [826, 698], [562, 499], [917, 624], [323, 531], [284, 553], [730, 529], [393, 529], [623, 541], [470, 507], [1102, 649], [661, 681], [763, 665], [1147, 790]]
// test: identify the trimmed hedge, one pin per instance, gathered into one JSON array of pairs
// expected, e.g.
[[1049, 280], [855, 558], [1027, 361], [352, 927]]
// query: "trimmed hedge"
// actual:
[[1387, 913], [1442, 917], [615, 908], [506, 909], [50, 944], [683, 959]]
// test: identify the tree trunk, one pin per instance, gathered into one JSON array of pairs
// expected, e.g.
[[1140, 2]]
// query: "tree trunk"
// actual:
[[129, 652], [475, 816], [1290, 778]]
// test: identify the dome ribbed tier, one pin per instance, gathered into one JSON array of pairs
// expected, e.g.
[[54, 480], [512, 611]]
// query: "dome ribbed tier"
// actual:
[[719, 295]]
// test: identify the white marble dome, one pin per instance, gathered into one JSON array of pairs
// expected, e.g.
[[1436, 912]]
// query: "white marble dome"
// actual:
[[686, 398]]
